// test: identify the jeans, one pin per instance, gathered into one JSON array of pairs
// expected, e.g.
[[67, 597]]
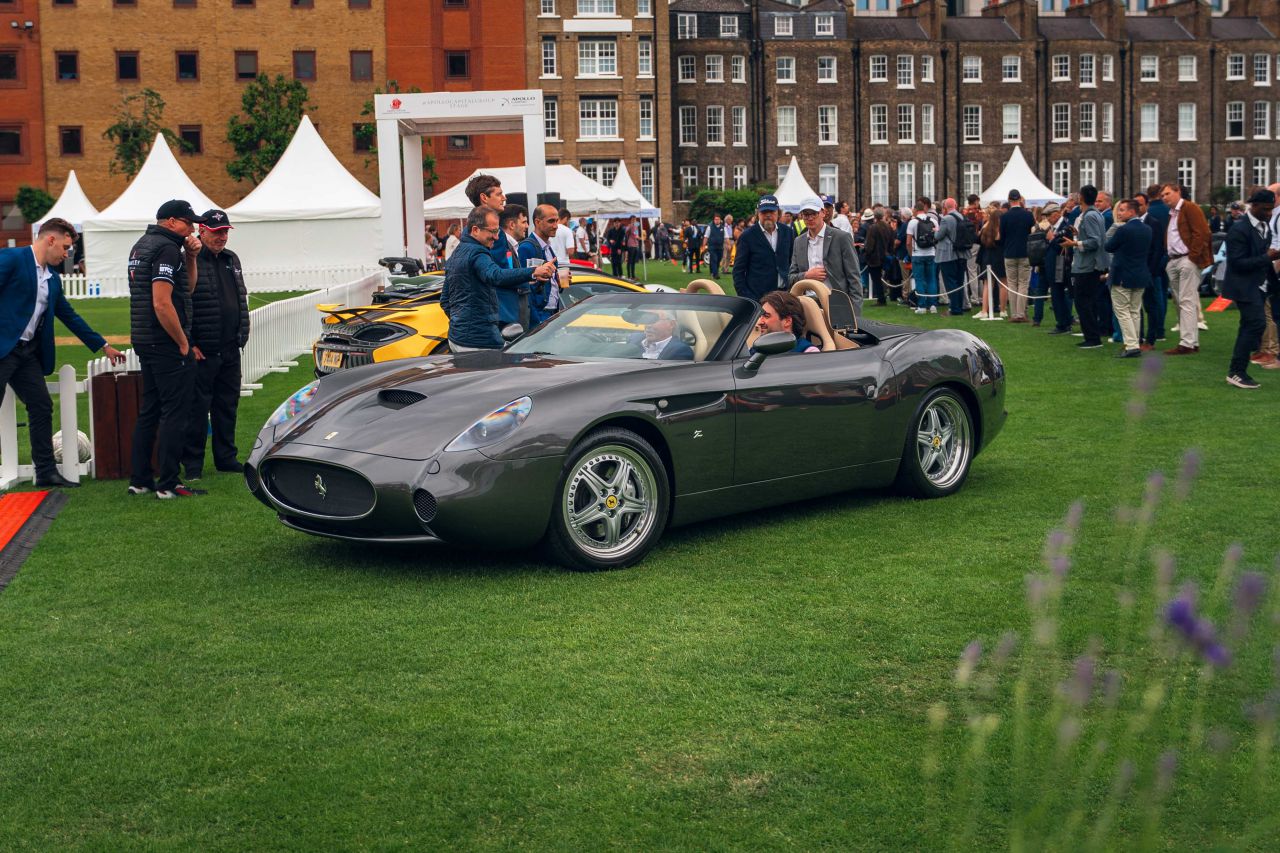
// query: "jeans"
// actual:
[[214, 403], [1037, 288], [953, 282], [925, 274], [1253, 321], [1089, 293], [167, 383], [877, 283], [1060, 296], [713, 258], [21, 369], [1154, 306]]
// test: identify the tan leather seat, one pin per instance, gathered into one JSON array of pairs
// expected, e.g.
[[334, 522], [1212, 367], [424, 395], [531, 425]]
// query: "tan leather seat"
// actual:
[[706, 328], [703, 285], [816, 326], [821, 295]]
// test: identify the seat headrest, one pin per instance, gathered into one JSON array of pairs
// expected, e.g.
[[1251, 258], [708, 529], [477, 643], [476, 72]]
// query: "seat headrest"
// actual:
[[703, 285]]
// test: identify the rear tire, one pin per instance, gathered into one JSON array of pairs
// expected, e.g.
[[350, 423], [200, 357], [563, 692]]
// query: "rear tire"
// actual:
[[611, 504], [939, 446]]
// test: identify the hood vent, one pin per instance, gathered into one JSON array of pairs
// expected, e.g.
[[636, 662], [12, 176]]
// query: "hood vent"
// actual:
[[398, 398]]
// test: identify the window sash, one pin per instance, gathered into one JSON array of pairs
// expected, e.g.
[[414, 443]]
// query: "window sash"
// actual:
[[971, 117], [826, 69], [906, 123], [597, 58], [551, 118], [598, 118], [879, 123], [715, 69], [686, 26], [971, 69], [828, 130], [906, 71], [786, 123], [715, 125], [878, 69], [688, 125], [1011, 69], [1011, 123], [926, 124], [728, 26], [1086, 121], [1149, 123]]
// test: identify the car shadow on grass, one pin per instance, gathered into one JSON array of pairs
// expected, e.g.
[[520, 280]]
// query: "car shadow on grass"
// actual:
[[424, 562]]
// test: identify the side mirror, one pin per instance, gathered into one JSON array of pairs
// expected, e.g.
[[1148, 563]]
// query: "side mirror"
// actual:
[[774, 343], [512, 332]]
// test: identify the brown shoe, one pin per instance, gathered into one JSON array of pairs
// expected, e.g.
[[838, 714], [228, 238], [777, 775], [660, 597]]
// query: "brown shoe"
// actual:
[[1181, 350], [1146, 347], [1018, 320], [1263, 359]]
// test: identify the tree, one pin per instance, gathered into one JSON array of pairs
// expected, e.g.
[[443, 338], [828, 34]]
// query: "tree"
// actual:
[[133, 132], [33, 202], [1223, 195], [272, 110], [740, 203], [366, 134]]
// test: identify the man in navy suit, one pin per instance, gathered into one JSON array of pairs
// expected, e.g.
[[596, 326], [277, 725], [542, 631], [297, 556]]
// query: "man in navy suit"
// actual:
[[30, 295], [1249, 259], [658, 340], [1130, 274], [764, 253], [1154, 301]]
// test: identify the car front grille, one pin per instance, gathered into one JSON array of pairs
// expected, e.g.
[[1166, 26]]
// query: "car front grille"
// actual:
[[318, 488], [424, 504]]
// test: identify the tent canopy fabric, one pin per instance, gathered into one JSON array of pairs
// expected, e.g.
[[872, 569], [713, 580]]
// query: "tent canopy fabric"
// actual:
[[1017, 175], [73, 205], [580, 194], [794, 189], [160, 179], [626, 189], [307, 182]]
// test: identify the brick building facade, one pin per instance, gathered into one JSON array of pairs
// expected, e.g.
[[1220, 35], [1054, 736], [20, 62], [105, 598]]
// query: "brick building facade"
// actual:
[[22, 159]]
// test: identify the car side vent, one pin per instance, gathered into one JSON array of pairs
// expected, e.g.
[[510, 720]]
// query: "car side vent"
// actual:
[[398, 398], [424, 504]]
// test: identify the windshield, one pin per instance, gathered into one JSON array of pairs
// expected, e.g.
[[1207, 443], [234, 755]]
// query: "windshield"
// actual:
[[644, 326]]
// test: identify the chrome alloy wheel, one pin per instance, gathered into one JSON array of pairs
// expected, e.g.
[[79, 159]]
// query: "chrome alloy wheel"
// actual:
[[610, 501], [944, 441]]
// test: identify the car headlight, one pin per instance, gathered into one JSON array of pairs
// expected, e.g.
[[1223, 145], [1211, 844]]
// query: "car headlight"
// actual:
[[493, 427], [293, 405]]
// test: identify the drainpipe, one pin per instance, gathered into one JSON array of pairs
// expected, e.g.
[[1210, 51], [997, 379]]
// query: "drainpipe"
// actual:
[[1213, 112], [860, 179], [941, 126], [1128, 151]]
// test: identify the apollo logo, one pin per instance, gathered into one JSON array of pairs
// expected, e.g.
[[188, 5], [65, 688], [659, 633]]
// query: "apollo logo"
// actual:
[[395, 103]]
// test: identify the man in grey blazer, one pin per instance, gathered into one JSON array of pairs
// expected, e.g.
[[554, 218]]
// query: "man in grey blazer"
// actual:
[[826, 254]]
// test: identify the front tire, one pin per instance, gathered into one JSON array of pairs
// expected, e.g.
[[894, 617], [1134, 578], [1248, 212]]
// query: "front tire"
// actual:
[[612, 502], [939, 447]]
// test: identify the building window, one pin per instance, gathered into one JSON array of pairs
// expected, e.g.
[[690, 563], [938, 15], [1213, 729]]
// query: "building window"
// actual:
[[644, 8], [246, 64], [1086, 121], [1261, 121], [598, 118], [597, 58], [68, 65], [971, 179], [715, 177], [9, 66], [597, 7], [1108, 176], [127, 67], [602, 173], [715, 125], [828, 133], [824, 26], [1108, 68], [689, 126], [192, 136], [686, 26], [1261, 171], [1108, 122], [688, 177], [1186, 69], [1087, 79], [549, 57], [1262, 69], [715, 69], [188, 62], [782, 25], [362, 65], [786, 69], [1061, 67], [1235, 175], [1235, 120], [1061, 176], [1187, 175], [906, 123], [878, 69], [926, 69], [906, 71], [971, 121], [1149, 68], [1011, 69], [880, 183], [547, 8], [457, 64], [1061, 122], [361, 142], [739, 118], [304, 65], [828, 179], [688, 71], [1149, 123], [728, 26], [646, 117], [551, 118], [739, 177], [301, 4], [926, 124], [1148, 172], [927, 186], [786, 125], [1012, 123], [738, 68], [71, 141], [879, 124], [646, 181], [971, 69], [1088, 172], [1235, 66], [906, 185], [248, 4], [1187, 122], [826, 69], [644, 57]]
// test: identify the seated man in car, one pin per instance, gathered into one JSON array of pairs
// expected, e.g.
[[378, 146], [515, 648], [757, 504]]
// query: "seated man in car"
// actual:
[[782, 312], [658, 339]]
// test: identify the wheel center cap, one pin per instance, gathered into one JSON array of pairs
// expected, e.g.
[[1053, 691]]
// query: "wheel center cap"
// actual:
[[937, 442], [611, 502]]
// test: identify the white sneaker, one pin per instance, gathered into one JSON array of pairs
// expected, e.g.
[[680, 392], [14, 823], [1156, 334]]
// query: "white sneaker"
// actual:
[[981, 315], [933, 309], [1204, 327], [921, 311], [1173, 328]]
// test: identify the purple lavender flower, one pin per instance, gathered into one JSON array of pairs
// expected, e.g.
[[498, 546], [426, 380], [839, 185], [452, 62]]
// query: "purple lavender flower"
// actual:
[[1111, 684], [1068, 731], [968, 662], [1008, 644], [1080, 687], [1075, 512], [1036, 590], [1187, 474], [1249, 591], [1148, 375], [1181, 612], [1060, 565], [1165, 768], [1198, 633]]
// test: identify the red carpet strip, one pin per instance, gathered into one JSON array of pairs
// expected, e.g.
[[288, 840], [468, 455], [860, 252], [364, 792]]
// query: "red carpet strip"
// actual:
[[24, 518]]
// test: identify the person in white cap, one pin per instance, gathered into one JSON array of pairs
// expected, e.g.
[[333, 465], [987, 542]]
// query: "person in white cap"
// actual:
[[826, 254]]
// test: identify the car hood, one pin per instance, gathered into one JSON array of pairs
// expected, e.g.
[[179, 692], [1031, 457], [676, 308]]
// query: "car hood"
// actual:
[[393, 312], [377, 409]]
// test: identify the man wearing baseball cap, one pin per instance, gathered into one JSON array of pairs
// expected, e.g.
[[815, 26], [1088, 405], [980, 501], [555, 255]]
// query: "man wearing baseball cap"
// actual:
[[219, 330], [764, 253], [825, 254], [162, 274]]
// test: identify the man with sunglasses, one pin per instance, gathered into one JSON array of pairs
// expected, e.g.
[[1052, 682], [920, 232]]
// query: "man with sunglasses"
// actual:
[[826, 254], [162, 276]]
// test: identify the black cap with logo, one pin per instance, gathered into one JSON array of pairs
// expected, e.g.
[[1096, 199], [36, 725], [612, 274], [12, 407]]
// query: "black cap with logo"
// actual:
[[216, 220], [178, 209]]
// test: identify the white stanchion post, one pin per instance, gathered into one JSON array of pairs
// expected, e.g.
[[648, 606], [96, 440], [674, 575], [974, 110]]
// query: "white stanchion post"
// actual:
[[8, 442], [993, 306], [69, 424]]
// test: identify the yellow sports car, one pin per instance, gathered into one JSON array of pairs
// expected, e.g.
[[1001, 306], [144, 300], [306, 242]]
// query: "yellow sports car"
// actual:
[[416, 326]]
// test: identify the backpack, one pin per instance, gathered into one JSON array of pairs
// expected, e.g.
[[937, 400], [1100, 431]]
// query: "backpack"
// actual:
[[966, 234], [926, 234], [1037, 247]]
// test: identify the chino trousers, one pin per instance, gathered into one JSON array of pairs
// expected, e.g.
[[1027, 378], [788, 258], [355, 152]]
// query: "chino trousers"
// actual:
[[1270, 343], [21, 369], [213, 404], [1018, 274], [1184, 284], [168, 382], [1127, 303]]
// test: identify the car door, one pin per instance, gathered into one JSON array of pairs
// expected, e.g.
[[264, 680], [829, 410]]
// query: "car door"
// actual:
[[804, 412]]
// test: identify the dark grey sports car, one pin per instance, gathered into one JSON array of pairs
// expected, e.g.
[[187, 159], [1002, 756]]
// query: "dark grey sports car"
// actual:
[[618, 417]]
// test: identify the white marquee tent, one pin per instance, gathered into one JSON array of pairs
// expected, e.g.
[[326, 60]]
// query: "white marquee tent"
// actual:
[[309, 211], [73, 205], [627, 191], [1017, 175], [583, 196], [794, 189], [110, 235]]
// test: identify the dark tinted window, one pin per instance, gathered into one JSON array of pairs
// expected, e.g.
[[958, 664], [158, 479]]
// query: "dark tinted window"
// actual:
[[246, 64], [70, 140], [360, 141], [127, 65], [457, 63], [188, 65], [8, 65], [68, 65], [10, 140], [304, 65], [362, 65], [193, 138], [358, 4]]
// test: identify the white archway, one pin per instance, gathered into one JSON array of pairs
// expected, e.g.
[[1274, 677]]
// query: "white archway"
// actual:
[[402, 122]]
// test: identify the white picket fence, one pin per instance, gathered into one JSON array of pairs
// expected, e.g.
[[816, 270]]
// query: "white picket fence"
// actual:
[[255, 280], [280, 332]]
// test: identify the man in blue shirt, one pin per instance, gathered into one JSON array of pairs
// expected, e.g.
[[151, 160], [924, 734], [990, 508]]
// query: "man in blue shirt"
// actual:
[[1015, 227]]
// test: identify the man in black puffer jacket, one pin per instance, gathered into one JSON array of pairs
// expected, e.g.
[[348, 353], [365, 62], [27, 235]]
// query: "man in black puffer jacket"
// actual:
[[219, 330]]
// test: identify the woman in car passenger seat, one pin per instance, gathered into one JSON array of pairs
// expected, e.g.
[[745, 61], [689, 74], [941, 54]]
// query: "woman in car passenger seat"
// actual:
[[782, 312]]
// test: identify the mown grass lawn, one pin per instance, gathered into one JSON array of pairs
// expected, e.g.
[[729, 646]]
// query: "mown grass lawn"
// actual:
[[194, 675]]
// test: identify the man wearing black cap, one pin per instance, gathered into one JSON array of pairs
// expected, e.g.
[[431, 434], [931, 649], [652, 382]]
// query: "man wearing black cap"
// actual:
[[764, 253], [1249, 258], [162, 275], [219, 330]]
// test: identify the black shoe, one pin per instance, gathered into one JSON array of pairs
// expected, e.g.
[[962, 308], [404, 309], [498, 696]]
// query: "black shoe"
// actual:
[[193, 474], [1129, 353], [1089, 345], [179, 491], [1059, 331], [55, 480], [1240, 380], [232, 468]]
